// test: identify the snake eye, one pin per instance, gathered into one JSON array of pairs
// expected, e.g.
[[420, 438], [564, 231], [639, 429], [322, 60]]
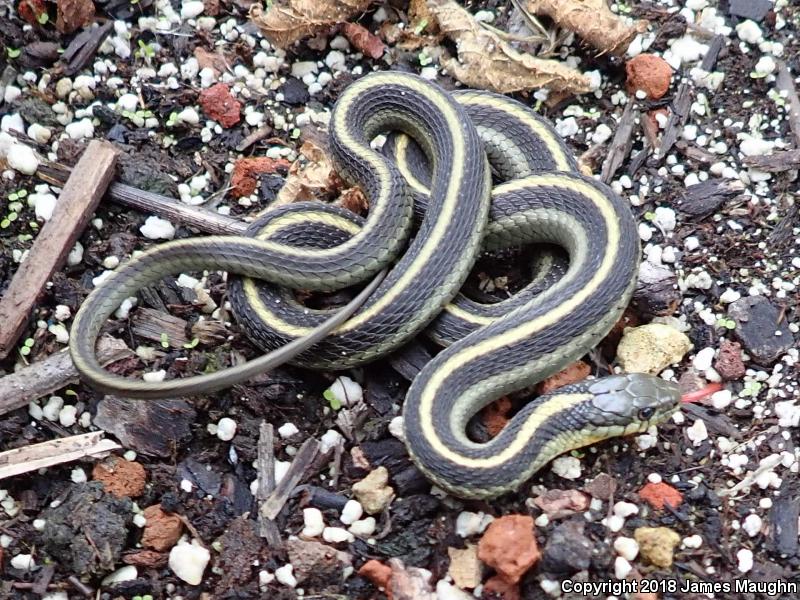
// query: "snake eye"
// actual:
[[646, 413]]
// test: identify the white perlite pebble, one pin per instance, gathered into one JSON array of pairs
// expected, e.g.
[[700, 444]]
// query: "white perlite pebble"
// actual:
[[188, 116], [626, 547], [346, 391], [155, 228], [729, 295], [693, 541], [68, 415], [745, 560], [127, 573], [622, 567], [567, 467], [155, 376], [23, 562], [285, 576], [189, 561], [396, 428], [721, 399], [351, 512], [363, 527], [447, 591], [601, 134], [691, 243], [43, 205], [22, 158], [752, 525], [330, 439], [645, 232], [336, 535], [78, 475], [287, 430], [470, 523], [625, 509], [75, 255], [748, 31], [697, 433], [313, 523], [128, 102], [79, 130], [39, 133], [52, 408], [192, 9], [226, 429], [614, 523], [664, 219], [703, 359]]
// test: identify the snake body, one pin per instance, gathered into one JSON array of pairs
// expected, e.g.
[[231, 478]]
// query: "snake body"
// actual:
[[434, 184]]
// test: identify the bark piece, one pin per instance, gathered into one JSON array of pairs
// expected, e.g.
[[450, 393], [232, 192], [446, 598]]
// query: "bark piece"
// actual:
[[592, 20], [487, 62], [151, 427], [76, 203]]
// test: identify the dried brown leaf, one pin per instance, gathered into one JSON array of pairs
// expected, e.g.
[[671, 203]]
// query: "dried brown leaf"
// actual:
[[288, 21], [487, 62], [312, 179], [592, 20], [73, 14]]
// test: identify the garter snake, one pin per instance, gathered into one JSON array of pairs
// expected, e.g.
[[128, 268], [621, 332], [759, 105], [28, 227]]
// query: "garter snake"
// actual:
[[432, 209]]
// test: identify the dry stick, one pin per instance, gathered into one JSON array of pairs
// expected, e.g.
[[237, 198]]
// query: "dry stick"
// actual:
[[304, 457], [80, 196], [204, 220], [266, 482], [54, 452], [785, 83], [620, 145], [51, 374]]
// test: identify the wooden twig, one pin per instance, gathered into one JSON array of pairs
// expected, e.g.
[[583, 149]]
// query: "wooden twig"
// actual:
[[620, 145], [785, 83], [168, 208], [51, 374], [54, 452], [304, 457], [80, 196], [266, 482]]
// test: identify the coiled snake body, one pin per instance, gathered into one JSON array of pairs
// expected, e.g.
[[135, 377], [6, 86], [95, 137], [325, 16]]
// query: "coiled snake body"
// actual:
[[435, 186]]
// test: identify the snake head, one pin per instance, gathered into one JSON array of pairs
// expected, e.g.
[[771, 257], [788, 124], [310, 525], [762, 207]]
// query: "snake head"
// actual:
[[635, 400]]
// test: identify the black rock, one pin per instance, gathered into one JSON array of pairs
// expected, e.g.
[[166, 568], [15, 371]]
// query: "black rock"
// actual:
[[763, 332], [294, 92], [749, 9], [567, 550], [269, 186], [36, 110]]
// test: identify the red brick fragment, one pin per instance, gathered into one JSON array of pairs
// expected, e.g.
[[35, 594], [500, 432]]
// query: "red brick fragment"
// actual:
[[218, 103]]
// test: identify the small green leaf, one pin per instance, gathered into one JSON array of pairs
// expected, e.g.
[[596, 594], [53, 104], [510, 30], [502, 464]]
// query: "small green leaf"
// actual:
[[12, 216], [29, 343], [24, 351], [164, 340], [43, 18], [332, 399], [649, 215], [421, 27], [13, 52], [14, 197], [191, 344], [4, 224], [70, 393], [22, 193]]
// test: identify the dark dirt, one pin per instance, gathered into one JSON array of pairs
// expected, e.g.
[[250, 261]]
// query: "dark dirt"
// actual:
[[88, 532]]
